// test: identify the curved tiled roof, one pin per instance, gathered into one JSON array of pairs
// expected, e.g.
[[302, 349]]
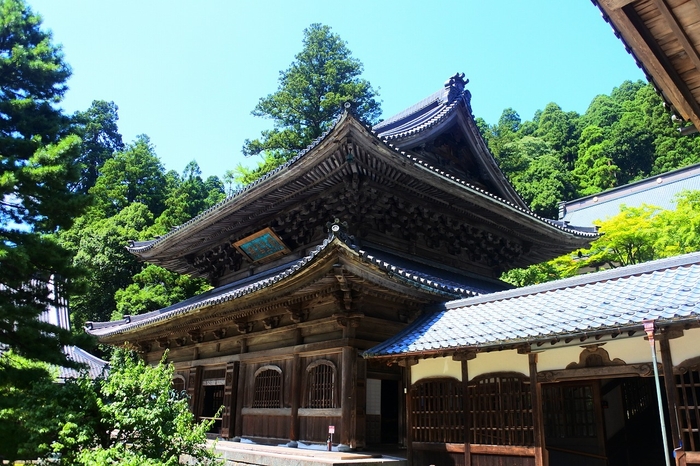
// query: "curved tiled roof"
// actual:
[[92, 365], [418, 118], [616, 300], [414, 276], [140, 246]]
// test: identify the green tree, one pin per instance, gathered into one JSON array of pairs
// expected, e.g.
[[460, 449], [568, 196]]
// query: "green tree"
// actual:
[[141, 421], [36, 170], [133, 175], [99, 247], [155, 288], [131, 416], [187, 196], [97, 127], [33, 413], [311, 92], [537, 173], [594, 170]]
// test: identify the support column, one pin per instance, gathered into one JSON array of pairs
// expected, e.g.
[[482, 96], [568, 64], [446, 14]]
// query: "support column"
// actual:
[[240, 392], [229, 399], [347, 407], [409, 415], [295, 394], [671, 391], [467, 408], [537, 420], [194, 387]]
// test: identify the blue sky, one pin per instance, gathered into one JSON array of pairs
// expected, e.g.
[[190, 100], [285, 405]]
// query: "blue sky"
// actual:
[[188, 74]]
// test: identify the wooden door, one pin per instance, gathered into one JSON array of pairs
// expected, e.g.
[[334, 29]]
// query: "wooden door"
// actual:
[[573, 424]]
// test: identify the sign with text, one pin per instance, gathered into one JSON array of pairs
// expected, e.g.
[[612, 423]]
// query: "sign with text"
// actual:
[[331, 429]]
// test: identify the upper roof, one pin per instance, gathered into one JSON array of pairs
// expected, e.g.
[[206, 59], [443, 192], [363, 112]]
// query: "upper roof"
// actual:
[[664, 38], [410, 274], [658, 190], [350, 148], [609, 302]]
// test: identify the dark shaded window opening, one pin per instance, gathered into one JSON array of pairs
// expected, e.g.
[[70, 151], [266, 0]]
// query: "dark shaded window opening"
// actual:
[[268, 388], [321, 385]]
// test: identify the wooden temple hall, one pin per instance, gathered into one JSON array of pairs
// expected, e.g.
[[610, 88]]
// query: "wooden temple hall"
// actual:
[[357, 287]]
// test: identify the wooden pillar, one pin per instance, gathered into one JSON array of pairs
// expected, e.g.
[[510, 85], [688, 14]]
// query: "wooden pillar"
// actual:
[[194, 387], [347, 399], [409, 416], [537, 419], [467, 408], [231, 381], [240, 392], [671, 392], [295, 395]]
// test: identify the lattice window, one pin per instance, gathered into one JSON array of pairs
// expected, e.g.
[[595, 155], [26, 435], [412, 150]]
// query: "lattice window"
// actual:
[[501, 410], [688, 398], [437, 411], [569, 411], [320, 388], [268, 387]]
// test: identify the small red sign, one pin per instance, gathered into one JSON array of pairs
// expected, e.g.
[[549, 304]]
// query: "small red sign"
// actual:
[[331, 429]]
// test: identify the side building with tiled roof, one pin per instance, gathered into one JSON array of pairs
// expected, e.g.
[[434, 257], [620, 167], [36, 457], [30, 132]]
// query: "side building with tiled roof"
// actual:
[[334, 252]]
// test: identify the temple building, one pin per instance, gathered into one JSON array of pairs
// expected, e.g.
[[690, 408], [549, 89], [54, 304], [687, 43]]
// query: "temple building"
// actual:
[[359, 238]]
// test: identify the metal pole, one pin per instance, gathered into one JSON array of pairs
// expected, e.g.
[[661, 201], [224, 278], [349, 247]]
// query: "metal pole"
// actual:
[[649, 328]]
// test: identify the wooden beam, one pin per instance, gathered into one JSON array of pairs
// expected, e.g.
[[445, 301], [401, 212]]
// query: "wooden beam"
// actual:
[[678, 31], [648, 50], [671, 395], [295, 395], [347, 398], [467, 413], [614, 4], [409, 417], [645, 48], [537, 420]]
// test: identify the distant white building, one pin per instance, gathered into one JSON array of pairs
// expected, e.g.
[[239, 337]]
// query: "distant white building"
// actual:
[[658, 190], [57, 314]]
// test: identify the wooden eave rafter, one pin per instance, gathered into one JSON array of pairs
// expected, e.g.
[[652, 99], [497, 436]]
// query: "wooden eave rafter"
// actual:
[[312, 175], [646, 44]]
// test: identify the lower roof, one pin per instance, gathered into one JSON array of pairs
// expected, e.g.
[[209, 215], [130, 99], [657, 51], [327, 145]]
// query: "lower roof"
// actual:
[[443, 284], [609, 302]]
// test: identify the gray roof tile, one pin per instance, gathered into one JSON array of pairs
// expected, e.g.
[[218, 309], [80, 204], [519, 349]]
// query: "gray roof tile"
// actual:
[[667, 291], [441, 282]]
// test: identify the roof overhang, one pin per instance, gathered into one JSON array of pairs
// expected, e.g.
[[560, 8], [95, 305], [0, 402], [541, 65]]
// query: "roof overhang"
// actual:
[[664, 37]]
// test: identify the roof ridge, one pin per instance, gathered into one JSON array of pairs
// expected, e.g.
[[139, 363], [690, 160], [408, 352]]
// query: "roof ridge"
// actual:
[[586, 279]]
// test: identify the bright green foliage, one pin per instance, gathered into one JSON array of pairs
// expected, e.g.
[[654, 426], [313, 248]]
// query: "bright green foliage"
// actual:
[[635, 235], [537, 173], [628, 238], [32, 414], [36, 170], [679, 230], [594, 169], [155, 288], [99, 245], [115, 282], [147, 421], [311, 92], [133, 175], [560, 130], [188, 196], [622, 137]]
